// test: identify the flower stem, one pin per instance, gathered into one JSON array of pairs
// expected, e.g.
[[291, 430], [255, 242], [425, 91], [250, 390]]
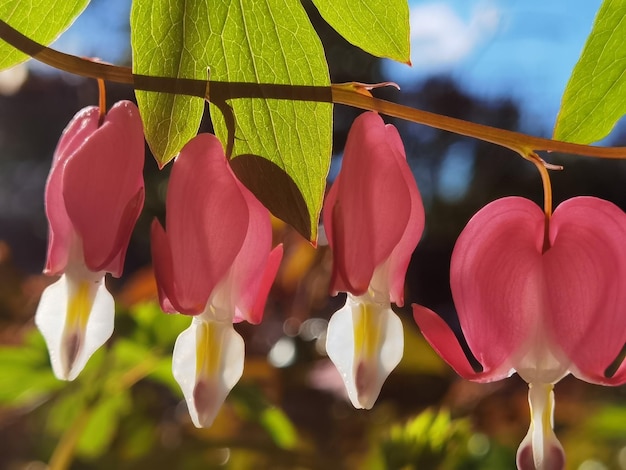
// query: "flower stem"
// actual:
[[347, 94], [542, 167], [102, 100], [64, 451]]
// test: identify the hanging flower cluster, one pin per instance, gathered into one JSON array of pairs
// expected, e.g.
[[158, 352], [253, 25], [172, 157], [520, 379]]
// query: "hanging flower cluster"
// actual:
[[537, 294], [373, 217], [92, 208], [215, 261], [540, 298]]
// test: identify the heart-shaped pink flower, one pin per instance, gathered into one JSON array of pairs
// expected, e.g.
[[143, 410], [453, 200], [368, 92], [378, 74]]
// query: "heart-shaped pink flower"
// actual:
[[542, 312]]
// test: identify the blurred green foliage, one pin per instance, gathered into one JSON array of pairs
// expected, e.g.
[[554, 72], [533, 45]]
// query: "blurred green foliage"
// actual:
[[435, 440], [107, 412], [126, 411]]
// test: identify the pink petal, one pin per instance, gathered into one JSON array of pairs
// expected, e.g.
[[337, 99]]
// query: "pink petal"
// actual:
[[267, 279], [496, 280], [401, 254], [103, 187], [84, 123], [337, 283], [585, 273], [444, 342], [246, 273], [618, 378], [243, 293], [163, 266], [206, 222], [367, 215]]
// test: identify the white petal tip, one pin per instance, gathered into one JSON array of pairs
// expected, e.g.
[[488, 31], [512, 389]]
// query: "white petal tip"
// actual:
[[540, 449], [70, 347], [206, 403], [365, 341], [220, 351], [551, 458]]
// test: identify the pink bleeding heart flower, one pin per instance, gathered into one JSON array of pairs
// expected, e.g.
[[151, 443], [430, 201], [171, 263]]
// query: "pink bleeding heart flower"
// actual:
[[94, 196], [543, 311], [215, 262], [373, 217]]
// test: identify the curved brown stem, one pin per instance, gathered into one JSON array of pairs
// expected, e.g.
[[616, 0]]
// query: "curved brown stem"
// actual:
[[518, 142], [547, 196], [102, 100], [347, 94]]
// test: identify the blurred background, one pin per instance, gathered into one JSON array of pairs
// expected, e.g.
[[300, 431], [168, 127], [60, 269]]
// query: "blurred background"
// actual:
[[501, 63]]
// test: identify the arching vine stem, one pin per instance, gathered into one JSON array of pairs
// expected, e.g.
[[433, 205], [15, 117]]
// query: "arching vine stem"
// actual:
[[348, 94]]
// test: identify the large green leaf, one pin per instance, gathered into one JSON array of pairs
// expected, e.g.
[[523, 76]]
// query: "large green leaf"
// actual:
[[595, 96], [380, 28], [169, 39], [41, 20], [281, 147]]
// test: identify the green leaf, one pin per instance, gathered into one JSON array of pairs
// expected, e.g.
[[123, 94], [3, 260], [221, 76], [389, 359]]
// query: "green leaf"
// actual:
[[129, 354], [41, 20], [380, 28], [162, 373], [155, 328], [65, 410], [281, 147], [280, 428], [26, 373], [102, 425], [24, 386], [169, 38], [140, 436], [253, 406], [595, 96], [607, 422]]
